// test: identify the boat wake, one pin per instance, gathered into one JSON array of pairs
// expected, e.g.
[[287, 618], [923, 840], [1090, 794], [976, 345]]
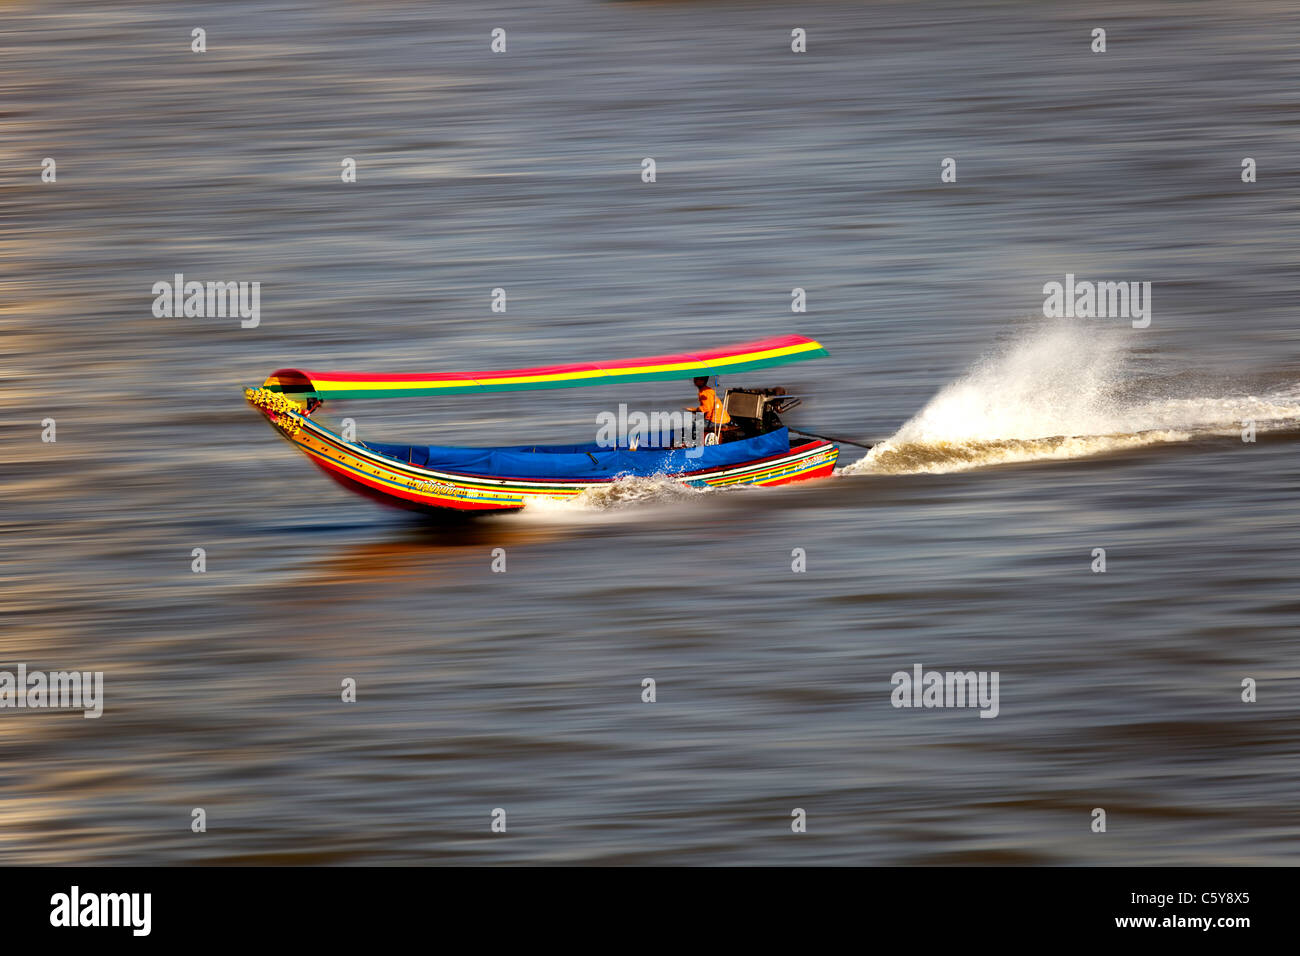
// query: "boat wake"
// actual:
[[1063, 392]]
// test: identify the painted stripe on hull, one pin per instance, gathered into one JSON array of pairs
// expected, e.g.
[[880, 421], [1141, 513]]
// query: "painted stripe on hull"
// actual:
[[411, 486]]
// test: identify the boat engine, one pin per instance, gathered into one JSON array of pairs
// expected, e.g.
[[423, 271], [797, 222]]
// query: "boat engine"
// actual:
[[758, 410]]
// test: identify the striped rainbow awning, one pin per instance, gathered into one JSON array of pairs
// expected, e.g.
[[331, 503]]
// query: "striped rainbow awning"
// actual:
[[730, 360]]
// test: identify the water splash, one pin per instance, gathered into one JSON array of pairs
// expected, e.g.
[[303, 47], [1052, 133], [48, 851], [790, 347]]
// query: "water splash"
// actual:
[[626, 493], [1064, 391]]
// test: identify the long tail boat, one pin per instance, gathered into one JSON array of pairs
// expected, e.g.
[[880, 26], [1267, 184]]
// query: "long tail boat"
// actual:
[[757, 449]]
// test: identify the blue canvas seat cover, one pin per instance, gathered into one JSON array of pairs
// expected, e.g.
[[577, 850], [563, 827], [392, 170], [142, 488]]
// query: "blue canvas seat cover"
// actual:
[[576, 461]]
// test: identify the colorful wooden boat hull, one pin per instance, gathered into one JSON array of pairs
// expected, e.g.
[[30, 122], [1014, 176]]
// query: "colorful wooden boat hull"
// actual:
[[410, 486]]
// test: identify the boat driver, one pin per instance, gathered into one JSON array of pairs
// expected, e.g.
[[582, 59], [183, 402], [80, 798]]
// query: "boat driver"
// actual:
[[712, 408]]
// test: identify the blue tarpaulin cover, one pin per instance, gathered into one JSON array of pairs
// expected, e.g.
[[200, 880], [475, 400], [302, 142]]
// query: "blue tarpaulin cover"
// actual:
[[575, 461]]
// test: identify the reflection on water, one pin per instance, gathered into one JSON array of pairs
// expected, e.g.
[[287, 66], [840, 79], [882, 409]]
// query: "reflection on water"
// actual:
[[964, 541], [428, 544]]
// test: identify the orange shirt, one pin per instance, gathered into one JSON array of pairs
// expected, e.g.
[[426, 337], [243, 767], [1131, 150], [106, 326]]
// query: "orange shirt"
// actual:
[[712, 407]]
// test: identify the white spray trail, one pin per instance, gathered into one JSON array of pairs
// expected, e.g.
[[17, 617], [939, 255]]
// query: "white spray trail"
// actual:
[[1061, 392]]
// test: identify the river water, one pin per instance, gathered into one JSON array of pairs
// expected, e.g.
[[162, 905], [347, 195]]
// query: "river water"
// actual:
[[1012, 446]]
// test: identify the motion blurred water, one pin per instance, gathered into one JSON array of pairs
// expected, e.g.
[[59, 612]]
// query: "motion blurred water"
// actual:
[[1016, 446]]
